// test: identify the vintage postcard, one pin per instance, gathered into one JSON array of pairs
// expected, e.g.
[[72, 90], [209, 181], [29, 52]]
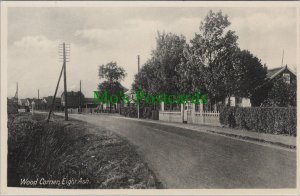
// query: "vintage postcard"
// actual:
[[149, 98]]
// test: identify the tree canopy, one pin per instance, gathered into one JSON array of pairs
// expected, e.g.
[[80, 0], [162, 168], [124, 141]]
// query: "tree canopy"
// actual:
[[112, 75], [212, 63], [160, 73]]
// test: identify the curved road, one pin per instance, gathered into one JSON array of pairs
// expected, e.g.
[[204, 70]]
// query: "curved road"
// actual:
[[182, 158]]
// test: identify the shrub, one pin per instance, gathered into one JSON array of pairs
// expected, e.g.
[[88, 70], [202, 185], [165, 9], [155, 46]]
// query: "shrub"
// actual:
[[274, 120], [12, 107]]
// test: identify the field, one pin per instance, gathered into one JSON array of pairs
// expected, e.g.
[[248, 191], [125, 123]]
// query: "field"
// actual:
[[71, 154]]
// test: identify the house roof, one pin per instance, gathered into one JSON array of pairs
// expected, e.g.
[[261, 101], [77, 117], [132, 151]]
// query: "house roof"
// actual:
[[272, 73], [72, 93]]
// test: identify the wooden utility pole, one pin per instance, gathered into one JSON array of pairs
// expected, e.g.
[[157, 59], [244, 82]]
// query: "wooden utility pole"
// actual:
[[138, 106], [79, 97], [53, 100], [38, 102], [65, 81], [138, 63], [282, 58], [64, 55]]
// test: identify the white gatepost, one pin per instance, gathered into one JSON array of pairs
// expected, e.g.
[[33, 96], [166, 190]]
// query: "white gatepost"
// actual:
[[162, 106], [201, 108], [193, 112], [32, 105], [201, 112], [182, 111]]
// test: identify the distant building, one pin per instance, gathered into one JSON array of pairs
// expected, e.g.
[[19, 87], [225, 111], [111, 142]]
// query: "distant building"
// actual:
[[74, 99], [46, 103], [90, 103]]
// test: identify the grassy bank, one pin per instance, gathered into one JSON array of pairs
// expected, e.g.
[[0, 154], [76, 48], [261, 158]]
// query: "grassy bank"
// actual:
[[71, 154]]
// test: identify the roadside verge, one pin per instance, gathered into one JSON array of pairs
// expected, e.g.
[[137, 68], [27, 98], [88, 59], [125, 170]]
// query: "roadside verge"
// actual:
[[71, 154]]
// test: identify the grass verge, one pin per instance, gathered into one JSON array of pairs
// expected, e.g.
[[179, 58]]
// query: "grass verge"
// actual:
[[71, 154]]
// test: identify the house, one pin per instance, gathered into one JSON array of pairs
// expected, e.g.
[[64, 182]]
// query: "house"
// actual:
[[238, 101], [282, 72], [37, 102], [90, 103], [272, 74], [74, 99], [46, 103], [22, 103]]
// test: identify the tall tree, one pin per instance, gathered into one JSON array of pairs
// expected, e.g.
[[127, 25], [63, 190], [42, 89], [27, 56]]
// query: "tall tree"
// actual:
[[112, 75], [249, 73], [160, 73], [212, 53]]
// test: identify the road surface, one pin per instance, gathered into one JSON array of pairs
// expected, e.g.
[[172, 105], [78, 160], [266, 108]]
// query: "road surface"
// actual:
[[182, 158]]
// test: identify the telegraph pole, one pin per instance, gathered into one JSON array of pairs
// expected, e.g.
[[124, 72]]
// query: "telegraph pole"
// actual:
[[282, 58], [65, 81], [38, 102], [138, 63], [79, 97], [53, 100], [138, 106], [64, 53]]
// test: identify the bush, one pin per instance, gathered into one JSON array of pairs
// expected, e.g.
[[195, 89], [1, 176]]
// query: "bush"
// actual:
[[272, 120], [129, 111], [12, 107]]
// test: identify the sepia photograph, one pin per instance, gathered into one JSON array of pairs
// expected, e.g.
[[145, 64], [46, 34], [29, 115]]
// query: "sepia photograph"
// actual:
[[139, 96]]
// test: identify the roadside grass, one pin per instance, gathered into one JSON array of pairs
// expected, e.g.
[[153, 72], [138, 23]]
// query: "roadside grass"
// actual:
[[71, 150]]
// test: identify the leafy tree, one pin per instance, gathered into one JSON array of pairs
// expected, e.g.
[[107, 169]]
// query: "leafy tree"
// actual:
[[112, 75], [260, 94], [211, 56], [160, 73], [250, 74], [146, 79], [111, 72]]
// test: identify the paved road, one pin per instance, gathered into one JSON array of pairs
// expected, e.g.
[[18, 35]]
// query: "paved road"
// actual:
[[182, 158]]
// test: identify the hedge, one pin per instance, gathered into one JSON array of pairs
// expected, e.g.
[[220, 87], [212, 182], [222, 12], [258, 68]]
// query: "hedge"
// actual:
[[274, 120]]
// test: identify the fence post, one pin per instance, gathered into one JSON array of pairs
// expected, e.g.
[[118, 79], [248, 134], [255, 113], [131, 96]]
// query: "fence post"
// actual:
[[193, 112], [162, 106], [181, 112]]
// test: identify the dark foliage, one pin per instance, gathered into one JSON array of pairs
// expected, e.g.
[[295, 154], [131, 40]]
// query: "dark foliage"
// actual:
[[274, 120]]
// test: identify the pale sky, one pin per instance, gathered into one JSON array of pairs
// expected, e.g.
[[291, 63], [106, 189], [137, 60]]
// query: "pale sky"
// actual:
[[100, 35]]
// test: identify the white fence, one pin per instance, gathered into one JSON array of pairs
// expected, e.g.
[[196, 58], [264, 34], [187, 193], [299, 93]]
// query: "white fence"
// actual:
[[210, 118], [207, 117], [170, 116]]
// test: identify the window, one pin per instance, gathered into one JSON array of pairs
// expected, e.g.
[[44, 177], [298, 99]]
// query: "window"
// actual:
[[287, 78]]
